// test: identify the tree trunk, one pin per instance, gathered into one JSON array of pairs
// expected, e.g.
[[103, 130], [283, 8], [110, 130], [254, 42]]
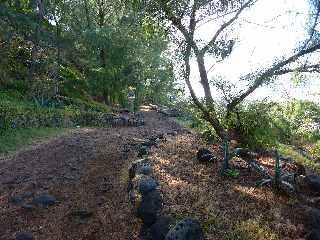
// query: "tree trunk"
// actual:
[[58, 36], [86, 8], [209, 112], [36, 40], [101, 15], [204, 81], [102, 57]]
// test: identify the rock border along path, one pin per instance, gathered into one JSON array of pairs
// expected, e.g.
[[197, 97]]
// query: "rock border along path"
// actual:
[[147, 203], [79, 181]]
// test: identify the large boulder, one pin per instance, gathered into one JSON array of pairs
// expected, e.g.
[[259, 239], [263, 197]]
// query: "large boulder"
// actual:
[[147, 184], [309, 183], [313, 221], [44, 200], [142, 184], [187, 229], [149, 207], [313, 180], [313, 235], [161, 227], [245, 153], [314, 215], [24, 236], [205, 155]]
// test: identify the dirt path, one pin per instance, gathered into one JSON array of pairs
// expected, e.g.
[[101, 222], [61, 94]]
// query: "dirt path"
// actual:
[[85, 171]]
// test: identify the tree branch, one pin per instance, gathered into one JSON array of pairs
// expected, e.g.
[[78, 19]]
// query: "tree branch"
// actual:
[[315, 68], [224, 26], [313, 26], [265, 76]]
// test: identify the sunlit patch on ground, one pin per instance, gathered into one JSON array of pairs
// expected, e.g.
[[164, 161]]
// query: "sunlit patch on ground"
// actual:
[[228, 208]]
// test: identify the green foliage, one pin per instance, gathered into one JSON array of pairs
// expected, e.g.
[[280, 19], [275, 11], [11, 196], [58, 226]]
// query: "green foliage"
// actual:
[[265, 124], [234, 173], [82, 53], [296, 156], [191, 118], [71, 83], [315, 150], [16, 112], [297, 120], [12, 139], [253, 125]]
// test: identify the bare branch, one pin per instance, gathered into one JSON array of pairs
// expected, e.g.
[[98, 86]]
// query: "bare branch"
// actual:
[[224, 26], [266, 75], [315, 68], [216, 18], [313, 26]]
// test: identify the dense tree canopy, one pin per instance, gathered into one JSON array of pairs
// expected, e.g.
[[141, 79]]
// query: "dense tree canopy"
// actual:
[[96, 47], [106, 50]]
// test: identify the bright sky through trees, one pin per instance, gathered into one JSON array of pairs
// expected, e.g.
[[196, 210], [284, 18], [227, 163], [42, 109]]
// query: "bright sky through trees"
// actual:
[[269, 30]]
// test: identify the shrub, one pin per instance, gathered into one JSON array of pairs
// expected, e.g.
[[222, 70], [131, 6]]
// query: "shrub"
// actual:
[[315, 150], [253, 125], [18, 113]]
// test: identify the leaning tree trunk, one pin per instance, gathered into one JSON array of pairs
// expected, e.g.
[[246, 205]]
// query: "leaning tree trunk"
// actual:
[[209, 111]]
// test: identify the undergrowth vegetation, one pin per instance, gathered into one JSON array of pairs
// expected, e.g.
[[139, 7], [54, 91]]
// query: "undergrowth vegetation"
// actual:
[[18, 112], [267, 125], [12, 139]]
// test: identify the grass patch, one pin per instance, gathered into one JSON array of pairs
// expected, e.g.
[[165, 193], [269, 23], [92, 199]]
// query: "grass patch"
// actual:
[[299, 158], [13, 139], [252, 230]]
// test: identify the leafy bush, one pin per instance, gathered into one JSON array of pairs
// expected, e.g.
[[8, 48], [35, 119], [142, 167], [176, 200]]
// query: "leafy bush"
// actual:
[[296, 156], [253, 125], [315, 150], [266, 124], [191, 117], [19, 113], [72, 84]]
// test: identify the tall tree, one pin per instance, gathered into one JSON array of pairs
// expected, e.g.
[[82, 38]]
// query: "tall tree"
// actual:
[[36, 38], [185, 17]]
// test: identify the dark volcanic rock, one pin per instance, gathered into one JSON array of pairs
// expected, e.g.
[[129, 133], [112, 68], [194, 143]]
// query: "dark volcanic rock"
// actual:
[[313, 235], [146, 185], [314, 215], [45, 200], [205, 155], [144, 169], [15, 200], [141, 166], [149, 207], [313, 180], [27, 207], [145, 233], [24, 236], [187, 229], [161, 227], [142, 184], [245, 153], [143, 151]]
